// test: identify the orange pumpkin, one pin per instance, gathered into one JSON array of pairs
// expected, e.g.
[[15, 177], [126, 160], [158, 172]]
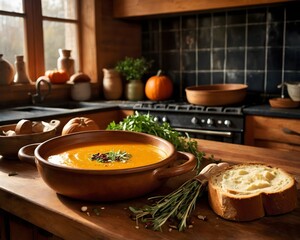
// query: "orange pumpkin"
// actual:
[[79, 124], [159, 87], [57, 76]]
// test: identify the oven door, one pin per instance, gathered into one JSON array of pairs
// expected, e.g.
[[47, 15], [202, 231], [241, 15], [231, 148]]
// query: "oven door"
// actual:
[[215, 135]]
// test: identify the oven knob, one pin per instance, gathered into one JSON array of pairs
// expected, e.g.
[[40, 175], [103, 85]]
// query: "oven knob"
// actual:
[[164, 119], [227, 123], [210, 121], [194, 120]]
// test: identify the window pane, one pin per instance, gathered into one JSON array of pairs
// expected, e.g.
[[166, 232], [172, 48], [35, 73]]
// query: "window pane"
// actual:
[[13, 42], [59, 8], [59, 35], [11, 6]]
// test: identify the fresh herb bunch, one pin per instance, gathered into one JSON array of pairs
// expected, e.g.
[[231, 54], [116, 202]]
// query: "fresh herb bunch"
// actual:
[[176, 206], [111, 156], [146, 123], [133, 68]]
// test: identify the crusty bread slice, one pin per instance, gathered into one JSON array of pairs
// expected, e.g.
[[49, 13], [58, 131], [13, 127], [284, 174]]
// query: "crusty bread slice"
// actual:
[[245, 192]]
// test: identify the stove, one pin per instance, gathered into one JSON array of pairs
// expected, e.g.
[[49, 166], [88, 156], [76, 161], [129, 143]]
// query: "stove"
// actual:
[[225, 124]]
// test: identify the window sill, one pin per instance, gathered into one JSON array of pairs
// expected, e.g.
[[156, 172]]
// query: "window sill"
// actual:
[[19, 94]]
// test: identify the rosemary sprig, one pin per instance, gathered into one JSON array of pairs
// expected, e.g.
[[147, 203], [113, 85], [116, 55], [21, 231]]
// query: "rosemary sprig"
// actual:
[[176, 206], [111, 156]]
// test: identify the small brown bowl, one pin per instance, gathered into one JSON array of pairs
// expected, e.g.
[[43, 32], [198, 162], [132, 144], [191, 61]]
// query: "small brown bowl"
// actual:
[[10, 145], [106, 185], [216, 94], [283, 103]]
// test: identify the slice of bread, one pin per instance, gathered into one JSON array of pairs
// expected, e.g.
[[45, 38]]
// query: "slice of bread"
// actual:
[[245, 192]]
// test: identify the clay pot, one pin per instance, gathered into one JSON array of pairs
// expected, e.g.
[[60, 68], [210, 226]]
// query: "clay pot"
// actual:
[[65, 62], [81, 91], [21, 76], [216, 94], [134, 90], [112, 84], [6, 71], [107, 185]]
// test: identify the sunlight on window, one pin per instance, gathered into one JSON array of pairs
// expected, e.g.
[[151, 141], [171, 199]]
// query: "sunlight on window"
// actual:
[[59, 35], [11, 6], [60, 29], [12, 37], [59, 8]]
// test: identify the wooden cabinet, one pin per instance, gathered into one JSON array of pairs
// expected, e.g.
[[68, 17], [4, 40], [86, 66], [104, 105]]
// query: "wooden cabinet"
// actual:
[[277, 133], [3, 225], [15, 228], [134, 8]]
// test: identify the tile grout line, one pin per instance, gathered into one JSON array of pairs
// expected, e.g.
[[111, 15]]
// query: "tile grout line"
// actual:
[[197, 50], [180, 58], [283, 50], [266, 49], [211, 48], [246, 49], [225, 48]]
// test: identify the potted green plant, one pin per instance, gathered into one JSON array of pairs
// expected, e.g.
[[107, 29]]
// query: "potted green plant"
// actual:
[[133, 69]]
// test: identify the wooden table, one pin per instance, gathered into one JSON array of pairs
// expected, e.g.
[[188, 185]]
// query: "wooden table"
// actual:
[[27, 196]]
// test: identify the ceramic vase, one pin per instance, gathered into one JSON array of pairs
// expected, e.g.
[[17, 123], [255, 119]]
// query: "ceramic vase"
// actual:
[[6, 71], [21, 74], [112, 84], [65, 62], [134, 90]]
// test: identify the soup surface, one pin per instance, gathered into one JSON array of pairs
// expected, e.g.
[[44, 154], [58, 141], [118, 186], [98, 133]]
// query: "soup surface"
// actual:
[[87, 157]]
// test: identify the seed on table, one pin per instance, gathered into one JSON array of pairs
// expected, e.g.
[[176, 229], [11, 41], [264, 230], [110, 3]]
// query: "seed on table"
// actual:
[[84, 208]]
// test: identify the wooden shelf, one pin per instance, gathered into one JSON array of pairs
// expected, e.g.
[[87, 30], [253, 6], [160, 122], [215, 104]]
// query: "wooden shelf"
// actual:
[[137, 8]]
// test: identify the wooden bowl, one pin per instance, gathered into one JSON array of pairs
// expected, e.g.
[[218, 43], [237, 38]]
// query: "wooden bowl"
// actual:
[[216, 94], [283, 103], [107, 185], [10, 145]]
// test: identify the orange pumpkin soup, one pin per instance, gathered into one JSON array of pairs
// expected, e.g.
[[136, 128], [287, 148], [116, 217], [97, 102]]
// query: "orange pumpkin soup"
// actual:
[[101, 157]]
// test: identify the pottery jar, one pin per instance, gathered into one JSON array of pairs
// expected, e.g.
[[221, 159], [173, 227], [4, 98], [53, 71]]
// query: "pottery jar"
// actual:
[[65, 62], [21, 75], [6, 71], [134, 90], [112, 84], [81, 91]]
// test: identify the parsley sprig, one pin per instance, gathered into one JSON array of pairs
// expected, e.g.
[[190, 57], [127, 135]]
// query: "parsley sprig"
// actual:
[[111, 156], [146, 123]]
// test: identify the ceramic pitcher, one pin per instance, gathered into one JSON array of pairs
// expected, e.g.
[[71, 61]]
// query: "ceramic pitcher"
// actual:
[[112, 84]]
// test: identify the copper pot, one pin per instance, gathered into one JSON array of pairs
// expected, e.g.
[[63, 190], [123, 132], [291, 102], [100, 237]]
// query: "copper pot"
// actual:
[[106, 185]]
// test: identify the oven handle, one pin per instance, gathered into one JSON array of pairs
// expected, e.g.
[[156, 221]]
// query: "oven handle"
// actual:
[[207, 132]]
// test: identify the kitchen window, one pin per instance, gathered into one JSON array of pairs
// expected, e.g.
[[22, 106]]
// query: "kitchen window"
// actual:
[[37, 29]]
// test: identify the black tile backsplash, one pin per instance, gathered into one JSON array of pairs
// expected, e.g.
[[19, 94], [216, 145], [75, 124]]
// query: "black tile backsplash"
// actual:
[[256, 46]]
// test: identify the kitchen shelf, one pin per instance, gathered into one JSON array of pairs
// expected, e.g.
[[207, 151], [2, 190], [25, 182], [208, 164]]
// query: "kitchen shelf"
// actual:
[[136, 8]]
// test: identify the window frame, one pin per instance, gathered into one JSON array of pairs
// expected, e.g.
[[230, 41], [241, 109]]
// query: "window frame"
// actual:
[[34, 39]]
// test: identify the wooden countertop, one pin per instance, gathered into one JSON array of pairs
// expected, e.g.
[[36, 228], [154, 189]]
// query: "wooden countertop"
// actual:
[[27, 196]]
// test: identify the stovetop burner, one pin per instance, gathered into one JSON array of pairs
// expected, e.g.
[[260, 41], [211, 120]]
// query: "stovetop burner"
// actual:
[[186, 107]]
